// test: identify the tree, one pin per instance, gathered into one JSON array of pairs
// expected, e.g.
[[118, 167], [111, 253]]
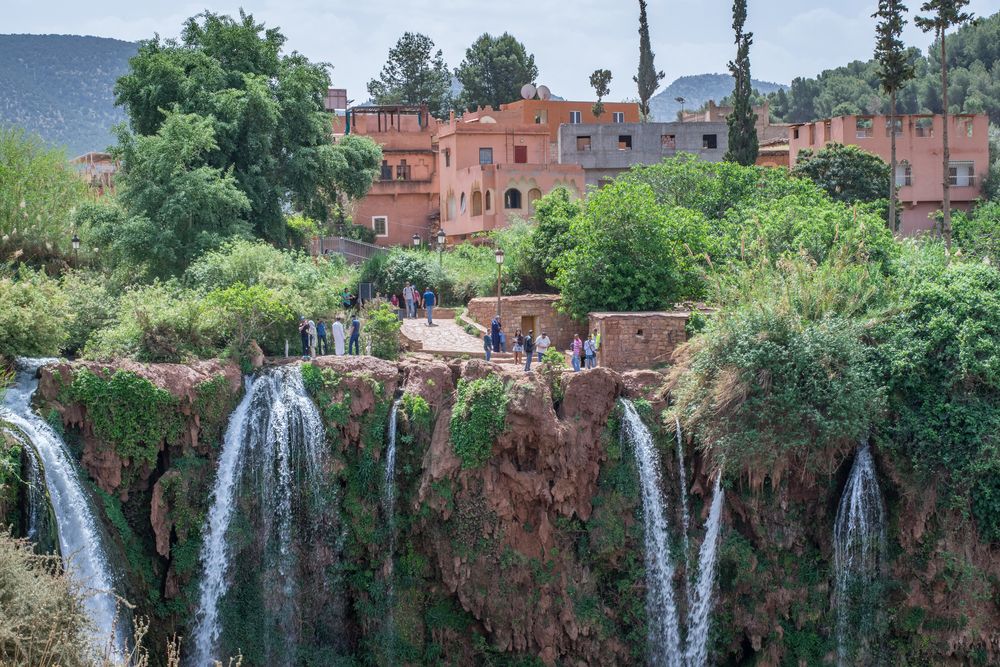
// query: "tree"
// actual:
[[414, 74], [246, 314], [894, 69], [847, 173], [554, 213], [265, 108], [600, 80], [743, 144], [944, 14], [648, 79], [355, 164], [493, 72]]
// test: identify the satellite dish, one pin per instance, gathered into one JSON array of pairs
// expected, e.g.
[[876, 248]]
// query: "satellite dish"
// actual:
[[528, 91], [544, 93], [487, 120]]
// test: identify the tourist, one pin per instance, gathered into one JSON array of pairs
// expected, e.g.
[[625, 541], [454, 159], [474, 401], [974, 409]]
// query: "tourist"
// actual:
[[321, 345], [346, 299], [312, 338], [354, 345], [589, 352], [304, 335], [488, 345], [429, 305], [542, 344], [597, 345], [338, 337], [394, 300], [518, 346], [503, 341], [495, 333], [529, 348], [577, 352], [411, 310]]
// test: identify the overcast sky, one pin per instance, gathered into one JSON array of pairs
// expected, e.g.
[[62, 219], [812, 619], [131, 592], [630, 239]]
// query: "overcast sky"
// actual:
[[569, 39]]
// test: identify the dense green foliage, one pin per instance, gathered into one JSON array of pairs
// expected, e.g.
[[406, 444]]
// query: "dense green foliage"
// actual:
[[977, 233], [34, 316], [479, 416], [847, 173], [648, 78], [381, 331], [414, 73], [600, 81], [493, 71], [743, 144], [246, 314]]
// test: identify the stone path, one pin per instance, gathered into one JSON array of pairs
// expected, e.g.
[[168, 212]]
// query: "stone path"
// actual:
[[444, 336]]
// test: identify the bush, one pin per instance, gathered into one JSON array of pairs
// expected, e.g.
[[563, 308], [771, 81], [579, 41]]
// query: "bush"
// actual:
[[244, 314], [389, 272], [479, 416], [381, 330], [300, 231], [977, 233], [95, 306], [34, 316]]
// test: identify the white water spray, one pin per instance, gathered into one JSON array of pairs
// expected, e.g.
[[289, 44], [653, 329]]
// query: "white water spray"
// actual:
[[700, 612]]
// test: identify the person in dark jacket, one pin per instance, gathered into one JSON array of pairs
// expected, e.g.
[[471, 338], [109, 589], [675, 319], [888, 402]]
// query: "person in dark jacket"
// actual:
[[529, 348], [488, 345], [304, 335], [354, 344], [322, 347], [495, 328]]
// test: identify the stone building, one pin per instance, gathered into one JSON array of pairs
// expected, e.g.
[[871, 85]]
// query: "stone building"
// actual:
[[605, 151], [529, 312], [766, 130], [638, 340]]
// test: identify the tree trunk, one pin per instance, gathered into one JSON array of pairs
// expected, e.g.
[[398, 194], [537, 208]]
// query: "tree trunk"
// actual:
[[892, 160], [945, 155]]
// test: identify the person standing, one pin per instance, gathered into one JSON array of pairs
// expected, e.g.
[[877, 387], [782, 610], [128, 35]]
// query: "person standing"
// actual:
[[338, 337], [589, 352], [394, 300], [354, 345], [503, 341], [577, 352], [529, 348], [542, 344], [597, 345], [321, 343], [488, 345], [312, 338], [411, 311], [304, 335], [429, 305], [495, 333], [518, 346]]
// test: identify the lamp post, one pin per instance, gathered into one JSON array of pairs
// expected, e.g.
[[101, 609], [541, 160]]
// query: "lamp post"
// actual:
[[441, 239], [76, 249], [416, 240], [499, 258]]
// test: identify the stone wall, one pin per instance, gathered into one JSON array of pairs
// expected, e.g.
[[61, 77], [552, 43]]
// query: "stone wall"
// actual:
[[638, 340], [526, 311]]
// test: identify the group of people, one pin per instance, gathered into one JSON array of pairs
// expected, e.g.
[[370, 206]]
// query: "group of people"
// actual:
[[315, 341], [414, 300], [584, 352]]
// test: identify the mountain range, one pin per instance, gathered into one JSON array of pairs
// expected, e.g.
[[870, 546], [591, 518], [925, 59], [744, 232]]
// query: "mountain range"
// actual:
[[697, 90]]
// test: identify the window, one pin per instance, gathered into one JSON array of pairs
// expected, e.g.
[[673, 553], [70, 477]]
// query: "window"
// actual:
[[477, 203], [462, 203], [541, 117], [583, 143], [450, 208], [485, 156], [380, 224], [795, 133], [668, 142], [924, 127], [863, 128], [618, 117], [386, 174], [574, 118], [962, 174], [447, 157], [904, 174], [965, 127], [520, 154], [534, 194], [899, 126], [512, 198], [709, 141], [402, 171], [624, 142]]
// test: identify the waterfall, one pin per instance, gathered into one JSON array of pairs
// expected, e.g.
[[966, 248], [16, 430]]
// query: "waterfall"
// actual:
[[859, 540], [685, 512], [661, 609], [81, 539], [699, 614], [389, 508], [266, 496]]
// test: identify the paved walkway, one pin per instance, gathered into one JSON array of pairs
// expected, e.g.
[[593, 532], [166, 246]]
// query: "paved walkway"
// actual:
[[444, 336]]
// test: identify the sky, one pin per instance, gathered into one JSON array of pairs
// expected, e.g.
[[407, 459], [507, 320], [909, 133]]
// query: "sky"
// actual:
[[570, 39]]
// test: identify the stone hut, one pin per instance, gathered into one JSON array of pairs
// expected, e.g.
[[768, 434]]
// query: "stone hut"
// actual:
[[638, 340], [529, 312]]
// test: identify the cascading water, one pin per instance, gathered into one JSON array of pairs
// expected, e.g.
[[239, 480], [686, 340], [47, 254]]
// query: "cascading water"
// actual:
[[685, 511], [266, 508], [700, 611], [859, 541], [661, 609], [389, 509], [81, 540]]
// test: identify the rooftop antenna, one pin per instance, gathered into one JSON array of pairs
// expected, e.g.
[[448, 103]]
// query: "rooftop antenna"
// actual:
[[544, 93], [528, 91]]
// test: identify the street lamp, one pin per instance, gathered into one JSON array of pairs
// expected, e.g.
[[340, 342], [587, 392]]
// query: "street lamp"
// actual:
[[499, 258], [76, 249], [441, 239], [416, 240]]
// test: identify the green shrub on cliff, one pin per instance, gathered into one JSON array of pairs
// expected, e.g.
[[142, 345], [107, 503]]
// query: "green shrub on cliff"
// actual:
[[381, 331], [479, 416], [34, 315]]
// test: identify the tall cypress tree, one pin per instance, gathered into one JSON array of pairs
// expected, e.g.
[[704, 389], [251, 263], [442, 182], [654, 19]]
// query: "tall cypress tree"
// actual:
[[743, 144], [944, 14], [648, 79], [894, 69]]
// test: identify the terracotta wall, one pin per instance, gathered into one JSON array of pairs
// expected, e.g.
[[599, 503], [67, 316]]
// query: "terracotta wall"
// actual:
[[638, 340], [537, 308]]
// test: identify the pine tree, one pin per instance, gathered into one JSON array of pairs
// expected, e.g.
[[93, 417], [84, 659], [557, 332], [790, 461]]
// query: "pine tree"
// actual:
[[941, 15], [743, 144], [600, 81], [414, 74], [894, 70], [648, 79]]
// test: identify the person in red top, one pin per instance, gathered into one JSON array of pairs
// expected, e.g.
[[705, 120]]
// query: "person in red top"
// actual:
[[577, 352]]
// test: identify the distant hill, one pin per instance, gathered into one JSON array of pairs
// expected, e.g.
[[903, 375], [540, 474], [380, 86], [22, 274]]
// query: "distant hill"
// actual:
[[61, 87], [697, 90]]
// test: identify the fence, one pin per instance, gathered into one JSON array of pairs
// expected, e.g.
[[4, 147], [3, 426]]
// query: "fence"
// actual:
[[353, 251]]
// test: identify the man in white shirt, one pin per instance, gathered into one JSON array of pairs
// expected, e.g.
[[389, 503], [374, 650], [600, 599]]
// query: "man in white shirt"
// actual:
[[338, 337], [542, 343], [411, 311]]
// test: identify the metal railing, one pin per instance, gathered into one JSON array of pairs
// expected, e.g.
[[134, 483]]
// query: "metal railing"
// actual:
[[354, 252]]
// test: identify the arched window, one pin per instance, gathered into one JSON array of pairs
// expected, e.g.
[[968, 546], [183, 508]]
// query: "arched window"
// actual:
[[450, 212], [477, 203], [462, 204], [512, 198], [534, 194], [489, 201]]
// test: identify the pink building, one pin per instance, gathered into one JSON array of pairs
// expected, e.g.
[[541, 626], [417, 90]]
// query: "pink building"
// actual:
[[493, 166], [404, 199], [919, 174]]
